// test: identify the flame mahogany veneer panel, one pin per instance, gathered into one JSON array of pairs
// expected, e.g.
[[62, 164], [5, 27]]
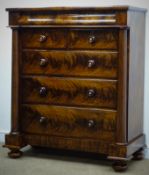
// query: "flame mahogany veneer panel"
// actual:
[[101, 64], [70, 39], [70, 91], [69, 122]]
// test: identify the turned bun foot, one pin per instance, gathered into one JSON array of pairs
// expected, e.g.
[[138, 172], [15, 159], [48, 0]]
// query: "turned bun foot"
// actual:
[[138, 155], [120, 166], [15, 154]]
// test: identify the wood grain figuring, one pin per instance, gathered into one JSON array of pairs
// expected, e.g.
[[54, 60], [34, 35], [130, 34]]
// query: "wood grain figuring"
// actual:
[[70, 91], [80, 144], [73, 39], [69, 122], [71, 63], [15, 82], [82, 10], [78, 80], [122, 89], [104, 39], [70, 16], [31, 38], [66, 19]]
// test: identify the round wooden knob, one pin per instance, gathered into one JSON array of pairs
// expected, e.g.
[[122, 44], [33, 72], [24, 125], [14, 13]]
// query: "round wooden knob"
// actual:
[[43, 62], [91, 63], [43, 91], [92, 39], [42, 38], [91, 93], [43, 120], [91, 123]]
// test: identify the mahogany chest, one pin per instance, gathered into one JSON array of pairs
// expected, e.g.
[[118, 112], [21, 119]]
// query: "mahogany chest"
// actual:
[[78, 80]]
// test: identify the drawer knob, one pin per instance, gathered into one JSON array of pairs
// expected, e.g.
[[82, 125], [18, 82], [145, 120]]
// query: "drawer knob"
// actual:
[[42, 38], [43, 62], [91, 93], [43, 120], [43, 91], [92, 39], [91, 63], [91, 123]]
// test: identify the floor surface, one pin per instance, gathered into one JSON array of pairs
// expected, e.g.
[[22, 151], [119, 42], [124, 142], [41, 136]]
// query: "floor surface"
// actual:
[[47, 162]]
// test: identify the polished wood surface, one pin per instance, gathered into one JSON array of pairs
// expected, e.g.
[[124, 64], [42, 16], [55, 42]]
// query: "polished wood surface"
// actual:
[[79, 9], [101, 64], [67, 19], [72, 39], [77, 81], [115, 15], [15, 82], [122, 88], [70, 91], [93, 39], [69, 122]]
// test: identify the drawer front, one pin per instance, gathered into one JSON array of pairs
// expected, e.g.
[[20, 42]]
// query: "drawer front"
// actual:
[[73, 39], [44, 38], [94, 39], [69, 122], [71, 63], [67, 18], [67, 91]]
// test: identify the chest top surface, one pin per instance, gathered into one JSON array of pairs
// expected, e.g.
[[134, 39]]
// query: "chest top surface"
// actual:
[[71, 16]]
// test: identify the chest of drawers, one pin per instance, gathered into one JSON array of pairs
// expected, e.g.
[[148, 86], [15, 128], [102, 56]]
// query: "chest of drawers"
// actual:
[[78, 80]]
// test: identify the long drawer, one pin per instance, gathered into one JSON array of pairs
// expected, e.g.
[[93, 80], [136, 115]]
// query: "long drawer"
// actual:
[[72, 39], [102, 64], [69, 122], [69, 91]]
